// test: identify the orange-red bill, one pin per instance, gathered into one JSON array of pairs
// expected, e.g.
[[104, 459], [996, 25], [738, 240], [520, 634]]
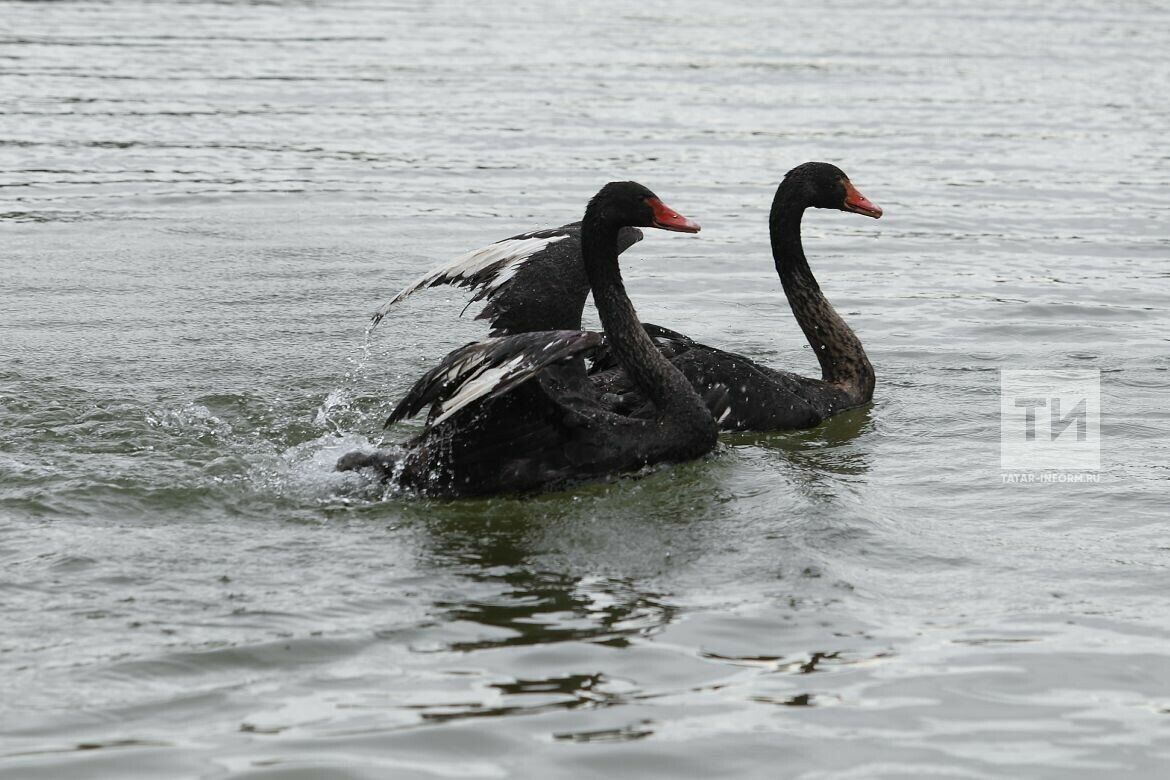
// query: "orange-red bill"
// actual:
[[668, 219], [858, 203]]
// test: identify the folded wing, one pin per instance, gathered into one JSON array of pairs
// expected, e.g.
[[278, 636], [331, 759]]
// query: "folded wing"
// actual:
[[491, 368]]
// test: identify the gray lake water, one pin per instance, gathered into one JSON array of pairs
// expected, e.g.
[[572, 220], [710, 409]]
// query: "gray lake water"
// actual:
[[200, 204]]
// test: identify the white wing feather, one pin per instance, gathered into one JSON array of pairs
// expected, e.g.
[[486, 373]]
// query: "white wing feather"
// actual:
[[507, 256], [482, 384]]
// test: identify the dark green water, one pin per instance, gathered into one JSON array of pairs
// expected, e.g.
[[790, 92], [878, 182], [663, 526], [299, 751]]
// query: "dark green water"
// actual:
[[201, 202]]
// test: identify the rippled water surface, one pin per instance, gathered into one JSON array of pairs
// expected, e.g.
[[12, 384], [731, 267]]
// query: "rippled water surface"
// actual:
[[201, 202]]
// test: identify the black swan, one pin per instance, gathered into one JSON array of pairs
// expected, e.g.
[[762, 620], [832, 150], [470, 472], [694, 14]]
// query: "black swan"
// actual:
[[519, 413], [531, 281]]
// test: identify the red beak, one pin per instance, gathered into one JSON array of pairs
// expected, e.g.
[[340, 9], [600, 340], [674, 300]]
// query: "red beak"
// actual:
[[668, 219], [858, 203]]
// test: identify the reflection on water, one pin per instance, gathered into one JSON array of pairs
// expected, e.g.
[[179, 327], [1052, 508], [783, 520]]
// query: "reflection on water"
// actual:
[[830, 448], [544, 607], [536, 696]]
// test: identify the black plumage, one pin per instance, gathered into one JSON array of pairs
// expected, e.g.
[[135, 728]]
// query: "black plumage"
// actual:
[[550, 290], [520, 413], [531, 281]]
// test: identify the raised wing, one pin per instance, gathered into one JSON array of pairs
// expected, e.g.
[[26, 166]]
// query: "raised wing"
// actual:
[[491, 368], [487, 270], [532, 282]]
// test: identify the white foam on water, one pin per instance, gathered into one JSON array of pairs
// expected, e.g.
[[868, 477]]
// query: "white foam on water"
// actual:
[[189, 418], [308, 471]]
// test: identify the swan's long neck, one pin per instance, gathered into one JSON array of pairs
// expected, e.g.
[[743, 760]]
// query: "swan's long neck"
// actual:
[[844, 363], [661, 382]]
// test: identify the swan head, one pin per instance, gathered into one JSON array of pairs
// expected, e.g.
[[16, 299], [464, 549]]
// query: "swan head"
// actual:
[[825, 186], [627, 203]]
